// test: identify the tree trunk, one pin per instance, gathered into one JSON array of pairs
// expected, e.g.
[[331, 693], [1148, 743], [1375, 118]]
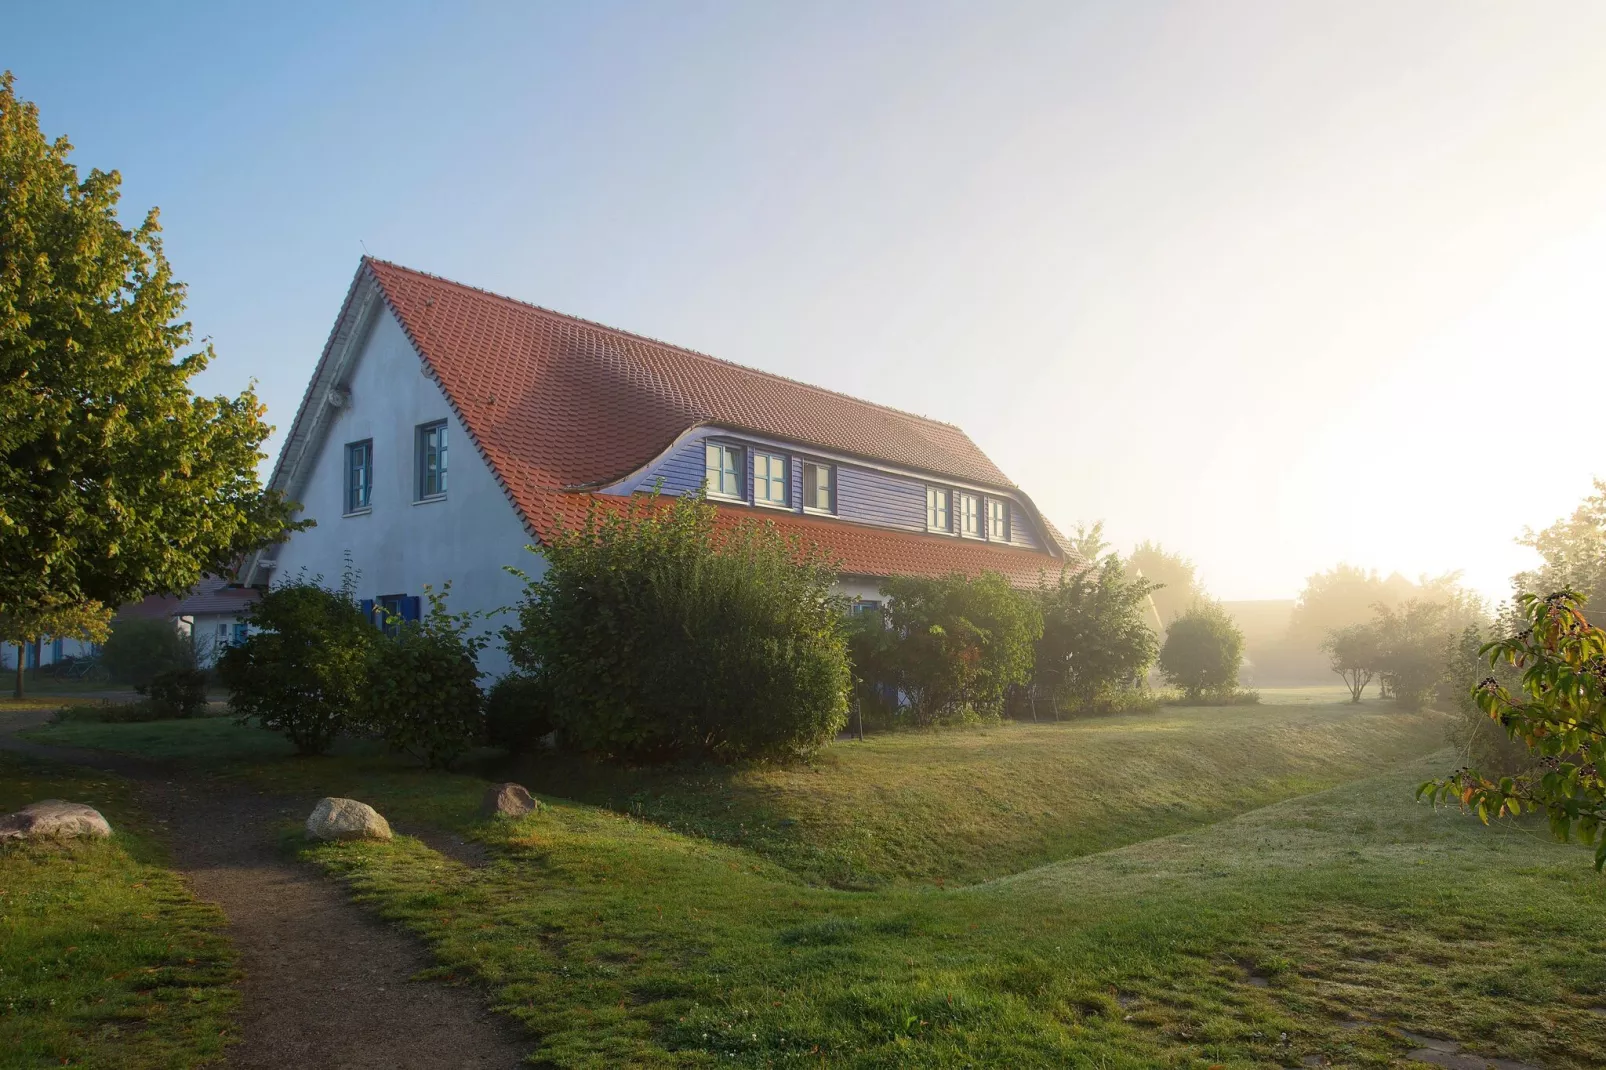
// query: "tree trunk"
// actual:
[[20, 650]]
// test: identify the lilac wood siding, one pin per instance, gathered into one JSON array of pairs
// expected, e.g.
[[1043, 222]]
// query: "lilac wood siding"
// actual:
[[1021, 532], [878, 498]]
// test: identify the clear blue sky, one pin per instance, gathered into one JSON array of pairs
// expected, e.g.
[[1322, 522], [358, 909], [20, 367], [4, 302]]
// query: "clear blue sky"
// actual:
[[1272, 283]]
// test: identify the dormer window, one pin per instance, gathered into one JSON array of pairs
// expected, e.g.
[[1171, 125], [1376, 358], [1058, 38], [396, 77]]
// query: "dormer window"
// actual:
[[939, 509], [819, 487], [771, 472], [970, 515], [997, 520], [723, 470]]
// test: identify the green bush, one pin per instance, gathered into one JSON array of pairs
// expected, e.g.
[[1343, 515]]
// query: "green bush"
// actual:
[[1203, 649], [178, 692], [952, 647], [660, 636], [137, 650], [302, 668], [1096, 647], [518, 713], [423, 693]]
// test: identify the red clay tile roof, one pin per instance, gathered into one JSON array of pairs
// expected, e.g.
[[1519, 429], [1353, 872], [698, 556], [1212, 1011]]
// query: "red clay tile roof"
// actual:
[[557, 405]]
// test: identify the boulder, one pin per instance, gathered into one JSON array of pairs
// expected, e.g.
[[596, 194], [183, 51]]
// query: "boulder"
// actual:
[[509, 800], [53, 818], [346, 819]]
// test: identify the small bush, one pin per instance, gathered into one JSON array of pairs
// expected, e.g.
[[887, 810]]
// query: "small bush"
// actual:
[[178, 692], [661, 637], [518, 713], [1203, 649], [1233, 696], [138, 650], [302, 668], [423, 694]]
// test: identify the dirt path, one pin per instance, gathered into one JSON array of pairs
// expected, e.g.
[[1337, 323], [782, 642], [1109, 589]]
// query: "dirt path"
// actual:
[[326, 985]]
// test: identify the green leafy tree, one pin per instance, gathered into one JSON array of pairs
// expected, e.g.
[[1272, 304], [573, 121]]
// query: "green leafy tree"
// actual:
[[1572, 552], [115, 480], [957, 645], [1558, 711], [423, 692], [1482, 742], [139, 649], [1096, 639], [1411, 644], [22, 625], [659, 634], [1089, 541], [302, 668], [1202, 651], [1355, 653], [1176, 584]]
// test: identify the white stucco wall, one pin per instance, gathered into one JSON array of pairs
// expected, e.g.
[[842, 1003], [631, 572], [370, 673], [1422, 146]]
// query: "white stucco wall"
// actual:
[[398, 546]]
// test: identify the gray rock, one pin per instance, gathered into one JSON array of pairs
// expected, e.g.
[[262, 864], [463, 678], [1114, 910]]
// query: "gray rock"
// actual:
[[346, 819], [509, 800], [53, 818]]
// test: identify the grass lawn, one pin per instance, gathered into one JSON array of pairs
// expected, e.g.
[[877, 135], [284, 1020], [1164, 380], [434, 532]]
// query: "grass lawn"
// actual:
[[105, 957]]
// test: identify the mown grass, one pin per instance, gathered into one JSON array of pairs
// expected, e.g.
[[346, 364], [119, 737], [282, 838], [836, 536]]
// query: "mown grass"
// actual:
[[106, 959]]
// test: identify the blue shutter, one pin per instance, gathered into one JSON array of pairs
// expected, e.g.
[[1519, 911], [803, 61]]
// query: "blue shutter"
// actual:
[[410, 607], [368, 610]]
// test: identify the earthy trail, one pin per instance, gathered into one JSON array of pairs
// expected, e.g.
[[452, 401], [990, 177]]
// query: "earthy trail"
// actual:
[[326, 985]]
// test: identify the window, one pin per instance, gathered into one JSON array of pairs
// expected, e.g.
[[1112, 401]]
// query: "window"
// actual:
[[819, 487], [390, 611], [970, 516], [237, 635], [863, 606], [359, 475], [939, 509], [771, 473], [432, 461], [997, 520], [723, 470]]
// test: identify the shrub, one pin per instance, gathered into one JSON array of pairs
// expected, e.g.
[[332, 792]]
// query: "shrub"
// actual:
[[1202, 651], [1096, 644], [178, 692], [423, 693], [302, 668], [518, 713], [955, 646], [1482, 741], [137, 650], [659, 636]]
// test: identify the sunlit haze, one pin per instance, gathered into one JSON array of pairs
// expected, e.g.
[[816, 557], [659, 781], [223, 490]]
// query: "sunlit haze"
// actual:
[[1277, 285]]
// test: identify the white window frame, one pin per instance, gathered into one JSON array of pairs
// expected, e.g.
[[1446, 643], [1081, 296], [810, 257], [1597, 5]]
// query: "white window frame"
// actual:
[[738, 455], [969, 516], [829, 508], [940, 518], [997, 532], [765, 463], [422, 490]]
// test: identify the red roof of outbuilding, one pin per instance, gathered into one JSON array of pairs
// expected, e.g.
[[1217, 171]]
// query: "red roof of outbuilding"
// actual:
[[559, 405]]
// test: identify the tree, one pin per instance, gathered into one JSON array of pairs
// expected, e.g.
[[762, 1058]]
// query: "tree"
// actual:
[[115, 480], [20, 626], [139, 649], [1411, 646], [1176, 585], [1089, 542], [1096, 639], [956, 645], [1354, 653], [1572, 551], [1202, 651], [1558, 712]]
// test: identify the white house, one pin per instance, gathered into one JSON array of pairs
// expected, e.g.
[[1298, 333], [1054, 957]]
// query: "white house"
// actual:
[[445, 428]]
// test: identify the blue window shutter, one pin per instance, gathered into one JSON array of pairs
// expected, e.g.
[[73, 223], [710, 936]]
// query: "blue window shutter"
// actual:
[[410, 607], [368, 610]]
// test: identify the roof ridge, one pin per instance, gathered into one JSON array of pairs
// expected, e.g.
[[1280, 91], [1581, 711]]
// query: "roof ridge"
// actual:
[[666, 345]]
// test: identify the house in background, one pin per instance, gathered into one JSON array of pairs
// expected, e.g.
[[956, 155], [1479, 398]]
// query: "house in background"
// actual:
[[213, 615], [446, 428]]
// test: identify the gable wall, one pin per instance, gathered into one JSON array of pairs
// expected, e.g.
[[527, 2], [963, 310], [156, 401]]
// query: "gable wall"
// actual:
[[399, 546]]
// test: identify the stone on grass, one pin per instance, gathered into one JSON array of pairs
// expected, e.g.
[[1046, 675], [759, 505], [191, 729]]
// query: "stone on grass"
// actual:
[[346, 819], [53, 819], [509, 800]]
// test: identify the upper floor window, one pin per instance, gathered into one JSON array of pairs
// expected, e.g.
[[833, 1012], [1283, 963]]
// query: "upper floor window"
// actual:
[[939, 509], [359, 475], [723, 470], [970, 516], [997, 520], [819, 487], [432, 460], [771, 474]]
